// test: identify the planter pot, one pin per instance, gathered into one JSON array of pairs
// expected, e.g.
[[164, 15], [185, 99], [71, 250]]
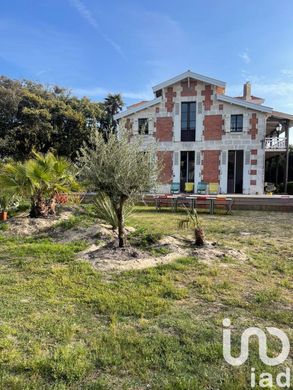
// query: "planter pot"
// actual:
[[3, 216]]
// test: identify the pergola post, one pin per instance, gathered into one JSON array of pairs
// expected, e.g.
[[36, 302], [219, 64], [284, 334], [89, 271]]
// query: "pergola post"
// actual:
[[287, 160]]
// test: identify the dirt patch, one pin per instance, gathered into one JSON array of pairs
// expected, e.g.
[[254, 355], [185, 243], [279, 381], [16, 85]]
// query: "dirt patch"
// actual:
[[22, 225], [111, 257], [211, 252]]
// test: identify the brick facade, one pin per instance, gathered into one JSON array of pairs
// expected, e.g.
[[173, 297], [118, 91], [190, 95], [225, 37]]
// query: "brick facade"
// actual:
[[253, 126], [207, 93], [165, 162], [164, 129], [213, 127], [169, 99], [188, 90], [210, 166]]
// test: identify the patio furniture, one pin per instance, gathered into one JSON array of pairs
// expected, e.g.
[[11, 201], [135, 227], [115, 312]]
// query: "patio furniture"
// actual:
[[223, 202], [188, 187], [175, 188], [213, 188], [202, 188]]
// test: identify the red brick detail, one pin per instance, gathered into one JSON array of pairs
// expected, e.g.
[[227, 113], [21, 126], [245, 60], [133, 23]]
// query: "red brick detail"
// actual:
[[164, 129], [210, 170], [169, 96], [253, 172], [165, 163], [253, 151], [213, 125], [253, 182], [220, 90], [221, 107], [157, 110], [253, 126], [253, 162], [207, 93], [188, 90]]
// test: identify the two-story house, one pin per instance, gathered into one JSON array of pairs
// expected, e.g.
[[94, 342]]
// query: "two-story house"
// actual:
[[205, 135]]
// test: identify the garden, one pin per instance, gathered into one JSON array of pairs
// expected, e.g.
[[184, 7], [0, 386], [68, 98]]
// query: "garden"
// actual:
[[102, 293]]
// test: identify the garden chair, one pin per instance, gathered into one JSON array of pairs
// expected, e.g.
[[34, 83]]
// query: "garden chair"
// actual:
[[213, 188], [175, 188], [202, 188], [188, 187]]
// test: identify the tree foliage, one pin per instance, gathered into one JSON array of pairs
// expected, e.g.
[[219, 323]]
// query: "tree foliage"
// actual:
[[120, 168], [34, 117]]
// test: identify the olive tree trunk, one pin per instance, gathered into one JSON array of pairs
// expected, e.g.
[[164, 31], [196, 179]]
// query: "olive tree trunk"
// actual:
[[120, 218]]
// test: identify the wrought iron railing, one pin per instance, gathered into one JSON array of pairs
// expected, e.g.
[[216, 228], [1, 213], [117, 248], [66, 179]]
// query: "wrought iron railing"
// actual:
[[275, 143]]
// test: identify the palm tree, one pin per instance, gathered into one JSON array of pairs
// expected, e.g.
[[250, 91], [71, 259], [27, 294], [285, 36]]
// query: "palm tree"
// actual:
[[112, 105], [39, 179]]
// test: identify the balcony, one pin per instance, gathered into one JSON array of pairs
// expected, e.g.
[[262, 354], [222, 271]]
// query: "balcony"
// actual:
[[275, 144]]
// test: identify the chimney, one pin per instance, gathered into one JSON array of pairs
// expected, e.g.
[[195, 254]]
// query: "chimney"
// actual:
[[247, 91]]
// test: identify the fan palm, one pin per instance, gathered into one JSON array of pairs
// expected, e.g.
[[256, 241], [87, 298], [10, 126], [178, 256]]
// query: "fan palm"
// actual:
[[39, 179]]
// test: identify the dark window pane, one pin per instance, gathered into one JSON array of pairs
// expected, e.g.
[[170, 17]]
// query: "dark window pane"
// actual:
[[143, 126], [188, 121]]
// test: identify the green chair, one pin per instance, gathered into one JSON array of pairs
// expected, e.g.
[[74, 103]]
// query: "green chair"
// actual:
[[188, 187], [175, 188], [202, 188]]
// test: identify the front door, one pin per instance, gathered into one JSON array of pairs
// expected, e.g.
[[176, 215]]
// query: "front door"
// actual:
[[235, 172], [186, 168]]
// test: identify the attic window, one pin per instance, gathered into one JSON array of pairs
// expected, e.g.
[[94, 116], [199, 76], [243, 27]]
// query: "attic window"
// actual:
[[159, 93]]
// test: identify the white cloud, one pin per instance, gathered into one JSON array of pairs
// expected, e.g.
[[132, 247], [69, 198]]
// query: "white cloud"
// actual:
[[88, 16], [287, 72], [245, 57]]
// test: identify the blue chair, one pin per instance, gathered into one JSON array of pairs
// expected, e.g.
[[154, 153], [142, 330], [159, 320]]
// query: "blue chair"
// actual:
[[202, 188], [175, 188]]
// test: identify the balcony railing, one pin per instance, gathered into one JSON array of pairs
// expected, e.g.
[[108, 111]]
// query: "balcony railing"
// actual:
[[275, 143]]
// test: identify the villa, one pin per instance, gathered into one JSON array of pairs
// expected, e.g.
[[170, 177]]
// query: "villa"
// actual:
[[205, 136]]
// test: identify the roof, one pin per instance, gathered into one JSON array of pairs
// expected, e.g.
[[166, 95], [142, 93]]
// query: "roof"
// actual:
[[244, 103], [191, 75], [135, 108], [282, 115], [137, 104]]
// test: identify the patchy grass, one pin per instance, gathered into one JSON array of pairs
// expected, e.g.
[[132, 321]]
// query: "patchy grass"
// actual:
[[64, 325]]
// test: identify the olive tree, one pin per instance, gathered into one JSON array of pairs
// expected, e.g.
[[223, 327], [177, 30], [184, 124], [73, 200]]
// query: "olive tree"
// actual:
[[121, 168]]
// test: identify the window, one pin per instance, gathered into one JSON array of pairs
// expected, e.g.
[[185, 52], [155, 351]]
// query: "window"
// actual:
[[188, 114], [236, 123], [143, 126]]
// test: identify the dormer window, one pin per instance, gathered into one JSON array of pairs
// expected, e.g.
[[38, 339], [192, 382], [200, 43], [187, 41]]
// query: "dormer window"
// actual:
[[236, 123], [143, 126]]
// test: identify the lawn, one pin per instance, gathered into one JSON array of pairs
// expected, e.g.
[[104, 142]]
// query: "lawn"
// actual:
[[65, 325]]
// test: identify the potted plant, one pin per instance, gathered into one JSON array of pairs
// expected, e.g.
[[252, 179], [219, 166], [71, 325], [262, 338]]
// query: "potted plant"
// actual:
[[7, 202]]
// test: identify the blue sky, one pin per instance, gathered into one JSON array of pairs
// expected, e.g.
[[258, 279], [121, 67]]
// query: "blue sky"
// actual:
[[94, 47]]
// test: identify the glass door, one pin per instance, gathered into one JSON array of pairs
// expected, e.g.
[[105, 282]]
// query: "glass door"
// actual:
[[186, 168]]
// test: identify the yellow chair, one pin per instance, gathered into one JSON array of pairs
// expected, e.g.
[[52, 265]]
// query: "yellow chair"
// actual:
[[213, 188], [188, 187]]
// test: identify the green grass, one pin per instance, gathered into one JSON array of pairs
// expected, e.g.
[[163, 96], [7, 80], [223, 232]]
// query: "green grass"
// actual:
[[64, 325]]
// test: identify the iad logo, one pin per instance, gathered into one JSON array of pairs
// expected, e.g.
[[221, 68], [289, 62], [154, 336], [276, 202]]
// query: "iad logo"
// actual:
[[266, 379]]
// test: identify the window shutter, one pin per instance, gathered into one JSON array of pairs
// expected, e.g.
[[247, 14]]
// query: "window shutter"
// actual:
[[227, 126], [247, 157], [135, 126], [224, 158]]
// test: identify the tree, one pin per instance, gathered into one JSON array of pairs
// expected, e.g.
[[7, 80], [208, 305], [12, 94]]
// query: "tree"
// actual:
[[39, 179], [34, 117], [112, 105], [120, 168]]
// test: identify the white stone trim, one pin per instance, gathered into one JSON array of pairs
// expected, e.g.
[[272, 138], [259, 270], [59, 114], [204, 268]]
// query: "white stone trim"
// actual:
[[243, 103], [138, 108], [191, 75]]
